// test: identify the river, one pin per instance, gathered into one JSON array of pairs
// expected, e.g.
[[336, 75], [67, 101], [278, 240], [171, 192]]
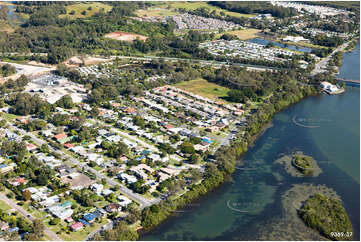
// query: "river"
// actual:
[[291, 47], [250, 204]]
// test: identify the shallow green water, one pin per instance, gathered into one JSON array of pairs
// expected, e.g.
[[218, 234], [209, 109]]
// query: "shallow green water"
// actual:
[[236, 209]]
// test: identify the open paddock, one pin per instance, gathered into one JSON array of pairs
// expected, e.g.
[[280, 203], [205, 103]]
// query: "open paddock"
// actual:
[[243, 34], [204, 88], [90, 9]]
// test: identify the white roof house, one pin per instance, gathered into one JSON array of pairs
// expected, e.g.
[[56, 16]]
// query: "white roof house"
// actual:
[[96, 187], [124, 201]]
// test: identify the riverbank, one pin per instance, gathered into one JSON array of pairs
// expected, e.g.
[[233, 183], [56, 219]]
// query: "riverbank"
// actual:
[[156, 215]]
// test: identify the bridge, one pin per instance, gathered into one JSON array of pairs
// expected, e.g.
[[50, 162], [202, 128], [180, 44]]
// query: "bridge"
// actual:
[[348, 81]]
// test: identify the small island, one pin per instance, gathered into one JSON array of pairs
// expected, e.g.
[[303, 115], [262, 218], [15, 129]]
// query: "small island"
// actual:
[[300, 165], [328, 216], [289, 226], [303, 163]]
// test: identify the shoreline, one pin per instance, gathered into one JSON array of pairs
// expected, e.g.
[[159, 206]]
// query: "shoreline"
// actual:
[[264, 127]]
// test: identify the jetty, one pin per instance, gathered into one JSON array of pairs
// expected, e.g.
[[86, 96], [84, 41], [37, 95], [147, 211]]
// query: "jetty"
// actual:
[[349, 82]]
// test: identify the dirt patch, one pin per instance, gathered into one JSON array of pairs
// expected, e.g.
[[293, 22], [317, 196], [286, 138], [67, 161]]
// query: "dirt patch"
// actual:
[[124, 36], [94, 60], [80, 180], [77, 61]]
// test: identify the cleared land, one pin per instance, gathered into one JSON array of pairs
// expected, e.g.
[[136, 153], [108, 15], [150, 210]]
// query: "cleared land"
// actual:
[[243, 34], [152, 12], [204, 88], [80, 7], [169, 8], [195, 5], [5, 26], [124, 36]]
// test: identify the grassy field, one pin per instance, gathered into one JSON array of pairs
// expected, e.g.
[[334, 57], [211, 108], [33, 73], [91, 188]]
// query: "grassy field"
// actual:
[[169, 8], [4, 206], [8, 116], [80, 7], [195, 5], [204, 88], [309, 45], [243, 34], [78, 235], [151, 12]]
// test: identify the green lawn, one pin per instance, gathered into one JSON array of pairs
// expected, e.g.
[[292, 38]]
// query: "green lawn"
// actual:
[[80, 7], [151, 12], [4, 206], [78, 235], [8, 116], [204, 88]]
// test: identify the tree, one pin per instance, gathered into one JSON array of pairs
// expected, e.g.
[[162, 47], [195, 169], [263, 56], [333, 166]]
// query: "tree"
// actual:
[[194, 158], [55, 221], [187, 147], [44, 148], [236, 96], [38, 228], [26, 195], [65, 102]]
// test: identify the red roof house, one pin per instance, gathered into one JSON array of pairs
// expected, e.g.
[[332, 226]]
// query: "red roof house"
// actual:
[[60, 136], [76, 226], [68, 145]]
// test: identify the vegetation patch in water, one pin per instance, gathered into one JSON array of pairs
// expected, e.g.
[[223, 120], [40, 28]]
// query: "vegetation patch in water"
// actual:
[[300, 165], [327, 216], [288, 226], [303, 163]]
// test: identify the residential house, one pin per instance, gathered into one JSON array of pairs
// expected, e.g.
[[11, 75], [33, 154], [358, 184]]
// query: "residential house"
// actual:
[[31, 147], [59, 211], [129, 179], [4, 226], [124, 201], [4, 168], [76, 226], [16, 181], [90, 218], [113, 207], [96, 187], [60, 136]]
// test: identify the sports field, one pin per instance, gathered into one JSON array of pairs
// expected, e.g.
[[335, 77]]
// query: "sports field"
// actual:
[[204, 88]]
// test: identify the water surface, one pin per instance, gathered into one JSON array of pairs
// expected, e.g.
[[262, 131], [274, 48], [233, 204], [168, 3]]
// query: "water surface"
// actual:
[[291, 47]]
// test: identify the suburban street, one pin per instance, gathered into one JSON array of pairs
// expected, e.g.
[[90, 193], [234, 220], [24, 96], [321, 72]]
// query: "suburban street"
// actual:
[[138, 198], [28, 216]]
